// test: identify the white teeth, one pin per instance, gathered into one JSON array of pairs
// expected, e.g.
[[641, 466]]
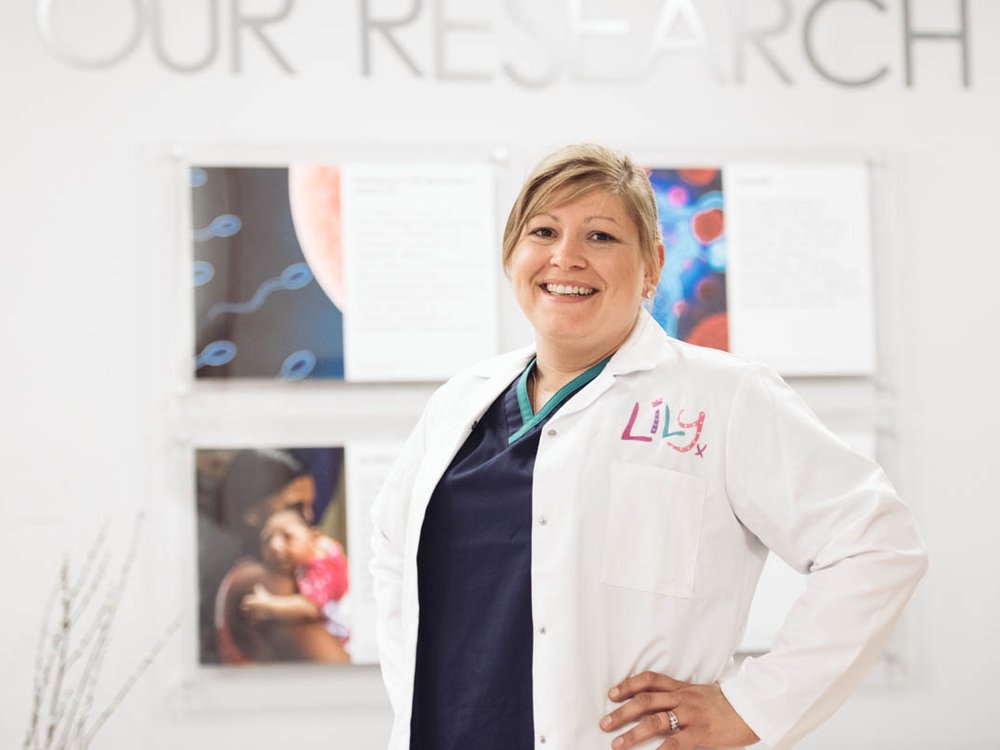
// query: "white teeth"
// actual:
[[583, 291]]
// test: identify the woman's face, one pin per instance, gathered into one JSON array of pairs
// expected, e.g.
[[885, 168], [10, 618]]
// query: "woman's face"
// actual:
[[298, 495], [578, 272]]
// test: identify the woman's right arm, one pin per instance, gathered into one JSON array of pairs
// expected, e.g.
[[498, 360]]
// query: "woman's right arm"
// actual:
[[389, 512]]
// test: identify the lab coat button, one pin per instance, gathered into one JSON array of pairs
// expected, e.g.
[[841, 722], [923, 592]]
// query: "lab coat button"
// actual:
[[542, 630], [541, 739], [552, 433], [543, 520]]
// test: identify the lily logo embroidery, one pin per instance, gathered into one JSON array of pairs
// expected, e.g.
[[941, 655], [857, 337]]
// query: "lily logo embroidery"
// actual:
[[675, 438]]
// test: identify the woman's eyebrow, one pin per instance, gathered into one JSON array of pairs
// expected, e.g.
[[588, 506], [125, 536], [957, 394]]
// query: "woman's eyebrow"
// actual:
[[589, 218]]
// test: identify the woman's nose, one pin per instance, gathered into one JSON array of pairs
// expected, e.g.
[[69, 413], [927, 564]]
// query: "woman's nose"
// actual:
[[568, 253]]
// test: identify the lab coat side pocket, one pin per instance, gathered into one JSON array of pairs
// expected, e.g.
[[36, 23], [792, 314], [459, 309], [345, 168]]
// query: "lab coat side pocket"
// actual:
[[653, 529]]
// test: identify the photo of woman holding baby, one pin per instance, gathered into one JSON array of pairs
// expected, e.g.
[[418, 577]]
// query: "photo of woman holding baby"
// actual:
[[272, 565]]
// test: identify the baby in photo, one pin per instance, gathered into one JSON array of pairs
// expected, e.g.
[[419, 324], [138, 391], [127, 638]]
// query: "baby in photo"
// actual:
[[318, 565]]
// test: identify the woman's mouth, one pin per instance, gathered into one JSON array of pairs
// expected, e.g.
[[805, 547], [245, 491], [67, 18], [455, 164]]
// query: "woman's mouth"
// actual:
[[568, 290]]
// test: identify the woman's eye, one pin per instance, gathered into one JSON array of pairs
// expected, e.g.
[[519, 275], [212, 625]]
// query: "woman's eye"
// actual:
[[544, 232], [602, 237]]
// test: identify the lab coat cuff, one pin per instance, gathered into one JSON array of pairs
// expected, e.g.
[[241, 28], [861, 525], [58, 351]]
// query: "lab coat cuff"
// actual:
[[741, 701]]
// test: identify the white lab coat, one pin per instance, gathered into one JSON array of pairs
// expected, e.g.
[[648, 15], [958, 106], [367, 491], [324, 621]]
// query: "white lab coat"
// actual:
[[658, 490]]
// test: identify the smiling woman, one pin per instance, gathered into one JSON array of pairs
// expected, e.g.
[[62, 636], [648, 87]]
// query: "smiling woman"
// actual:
[[550, 569]]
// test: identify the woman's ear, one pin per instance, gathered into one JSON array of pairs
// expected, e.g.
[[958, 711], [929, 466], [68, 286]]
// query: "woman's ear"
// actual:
[[652, 278]]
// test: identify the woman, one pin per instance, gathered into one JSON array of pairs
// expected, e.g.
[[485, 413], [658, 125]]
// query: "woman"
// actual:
[[566, 551], [258, 484]]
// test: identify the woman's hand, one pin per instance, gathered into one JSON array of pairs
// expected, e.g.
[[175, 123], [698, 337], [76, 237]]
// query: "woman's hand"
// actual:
[[704, 716]]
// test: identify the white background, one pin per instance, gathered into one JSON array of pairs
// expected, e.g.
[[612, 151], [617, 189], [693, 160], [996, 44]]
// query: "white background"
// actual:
[[91, 293]]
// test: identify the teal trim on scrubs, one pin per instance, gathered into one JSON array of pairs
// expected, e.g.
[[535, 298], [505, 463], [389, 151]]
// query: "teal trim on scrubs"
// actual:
[[529, 419]]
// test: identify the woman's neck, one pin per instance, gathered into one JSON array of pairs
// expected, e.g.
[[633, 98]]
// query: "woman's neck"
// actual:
[[557, 363]]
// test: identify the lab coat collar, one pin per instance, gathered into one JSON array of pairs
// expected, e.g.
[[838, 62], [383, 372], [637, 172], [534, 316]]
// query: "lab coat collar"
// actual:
[[642, 350]]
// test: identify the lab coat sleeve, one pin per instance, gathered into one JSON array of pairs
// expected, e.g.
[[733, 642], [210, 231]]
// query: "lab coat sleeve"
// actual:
[[388, 516], [829, 512]]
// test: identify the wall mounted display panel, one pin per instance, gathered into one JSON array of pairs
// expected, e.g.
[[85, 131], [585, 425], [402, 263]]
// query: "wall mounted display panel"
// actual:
[[771, 262], [283, 551], [369, 272], [258, 309], [274, 578], [368, 465]]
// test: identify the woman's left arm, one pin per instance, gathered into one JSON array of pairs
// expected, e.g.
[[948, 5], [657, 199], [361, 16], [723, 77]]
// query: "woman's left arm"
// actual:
[[828, 512]]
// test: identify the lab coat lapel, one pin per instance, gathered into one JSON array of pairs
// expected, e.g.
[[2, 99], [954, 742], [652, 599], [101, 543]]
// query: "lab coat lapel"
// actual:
[[491, 377]]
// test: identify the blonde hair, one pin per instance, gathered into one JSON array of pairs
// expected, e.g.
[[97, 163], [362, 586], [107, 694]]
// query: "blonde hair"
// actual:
[[569, 172]]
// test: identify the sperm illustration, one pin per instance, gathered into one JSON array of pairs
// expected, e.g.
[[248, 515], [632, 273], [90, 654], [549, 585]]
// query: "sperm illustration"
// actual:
[[295, 276], [224, 225], [217, 353], [197, 176], [204, 272], [297, 365]]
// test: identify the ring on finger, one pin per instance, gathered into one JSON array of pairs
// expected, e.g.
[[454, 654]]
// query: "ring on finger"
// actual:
[[673, 720]]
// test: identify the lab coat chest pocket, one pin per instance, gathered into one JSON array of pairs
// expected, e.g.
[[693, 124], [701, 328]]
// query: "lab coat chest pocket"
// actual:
[[653, 529]]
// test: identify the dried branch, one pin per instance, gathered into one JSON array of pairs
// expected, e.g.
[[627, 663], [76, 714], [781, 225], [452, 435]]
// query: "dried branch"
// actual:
[[130, 681], [88, 561], [95, 583], [73, 641], [38, 681], [65, 624], [82, 695]]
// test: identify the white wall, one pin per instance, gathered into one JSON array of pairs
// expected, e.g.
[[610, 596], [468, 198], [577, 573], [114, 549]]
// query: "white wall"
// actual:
[[89, 201]]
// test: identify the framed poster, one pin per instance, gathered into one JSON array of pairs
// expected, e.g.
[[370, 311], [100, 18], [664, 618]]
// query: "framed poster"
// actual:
[[283, 537], [274, 582], [769, 261], [356, 271], [259, 311]]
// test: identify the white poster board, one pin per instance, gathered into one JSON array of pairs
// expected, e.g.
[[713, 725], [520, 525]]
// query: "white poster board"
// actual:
[[421, 256], [367, 465], [799, 278]]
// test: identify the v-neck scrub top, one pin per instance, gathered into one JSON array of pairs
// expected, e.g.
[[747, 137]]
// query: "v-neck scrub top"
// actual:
[[472, 684]]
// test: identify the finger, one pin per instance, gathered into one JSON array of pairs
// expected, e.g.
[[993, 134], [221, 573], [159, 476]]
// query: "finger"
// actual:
[[639, 706], [653, 725], [643, 682]]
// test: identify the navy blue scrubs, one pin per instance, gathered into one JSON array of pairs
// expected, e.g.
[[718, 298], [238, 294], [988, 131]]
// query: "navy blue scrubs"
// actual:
[[473, 685]]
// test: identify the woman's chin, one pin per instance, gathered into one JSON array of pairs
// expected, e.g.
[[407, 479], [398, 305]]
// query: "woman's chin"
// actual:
[[567, 333]]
